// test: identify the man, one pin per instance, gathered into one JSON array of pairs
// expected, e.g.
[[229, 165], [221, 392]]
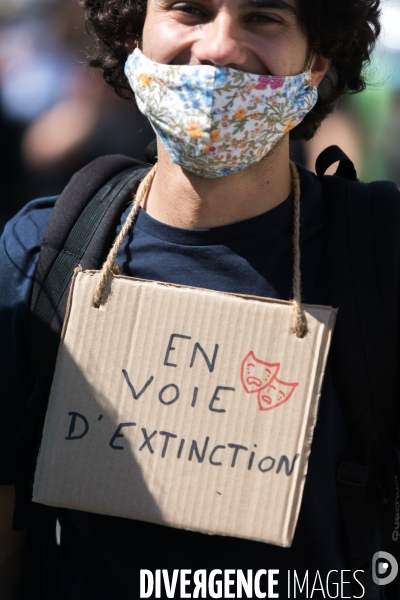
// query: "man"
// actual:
[[229, 233]]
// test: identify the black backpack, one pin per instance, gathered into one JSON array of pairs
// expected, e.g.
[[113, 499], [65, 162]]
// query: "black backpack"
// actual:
[[362, 266]]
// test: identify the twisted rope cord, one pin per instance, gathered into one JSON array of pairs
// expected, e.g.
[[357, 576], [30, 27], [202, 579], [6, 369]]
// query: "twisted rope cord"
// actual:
[[109, 267], [300, 327]]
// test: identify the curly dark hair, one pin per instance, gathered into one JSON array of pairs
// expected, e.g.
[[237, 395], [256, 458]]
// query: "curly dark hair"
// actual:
[[344, 31]]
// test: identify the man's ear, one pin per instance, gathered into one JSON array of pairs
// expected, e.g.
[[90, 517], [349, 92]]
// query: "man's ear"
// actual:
[[319, 66], [131, 43]]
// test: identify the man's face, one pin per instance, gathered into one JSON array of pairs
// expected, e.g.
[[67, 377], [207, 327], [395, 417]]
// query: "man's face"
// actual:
[[256, 36]]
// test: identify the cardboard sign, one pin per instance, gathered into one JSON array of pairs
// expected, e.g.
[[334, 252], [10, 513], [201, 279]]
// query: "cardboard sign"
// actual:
[[184, 407]]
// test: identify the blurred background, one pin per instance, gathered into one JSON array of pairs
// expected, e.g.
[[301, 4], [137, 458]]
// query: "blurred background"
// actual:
[[56, 115]]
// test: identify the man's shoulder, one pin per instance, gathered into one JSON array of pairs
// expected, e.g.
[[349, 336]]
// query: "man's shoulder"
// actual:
[[20, 247], [382, 196], [24, 232]]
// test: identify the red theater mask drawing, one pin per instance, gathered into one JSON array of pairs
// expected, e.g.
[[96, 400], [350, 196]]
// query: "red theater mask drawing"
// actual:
[[257, 374], [278, 392], [260, 377]]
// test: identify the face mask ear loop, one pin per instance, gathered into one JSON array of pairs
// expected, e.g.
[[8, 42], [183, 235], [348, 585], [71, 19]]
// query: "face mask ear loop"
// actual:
[[300, 327], [109, 267]]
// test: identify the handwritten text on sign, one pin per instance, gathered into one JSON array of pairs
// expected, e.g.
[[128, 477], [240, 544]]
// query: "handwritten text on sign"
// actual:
[[257, 376]]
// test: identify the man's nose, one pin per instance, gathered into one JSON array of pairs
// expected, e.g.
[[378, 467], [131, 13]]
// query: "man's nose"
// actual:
[[220, 43]]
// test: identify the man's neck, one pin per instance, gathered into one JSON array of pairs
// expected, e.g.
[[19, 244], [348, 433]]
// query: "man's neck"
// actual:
[[179, 198]]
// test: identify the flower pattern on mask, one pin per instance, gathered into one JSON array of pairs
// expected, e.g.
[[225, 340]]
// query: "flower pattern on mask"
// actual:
[[215, 121]]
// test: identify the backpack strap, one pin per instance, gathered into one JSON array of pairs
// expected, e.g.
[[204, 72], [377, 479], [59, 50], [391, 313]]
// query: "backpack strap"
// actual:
[[80, 231], [362, 253], [331, 155]]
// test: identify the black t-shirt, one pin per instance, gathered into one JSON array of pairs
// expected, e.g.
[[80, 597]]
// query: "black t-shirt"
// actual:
[[101, 556]]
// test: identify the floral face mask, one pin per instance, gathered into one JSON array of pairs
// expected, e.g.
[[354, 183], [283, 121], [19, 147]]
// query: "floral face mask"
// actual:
[[215, 121]]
